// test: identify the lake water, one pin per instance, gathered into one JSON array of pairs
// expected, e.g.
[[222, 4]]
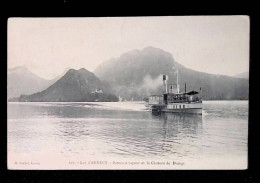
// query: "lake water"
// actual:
[[59, 135]]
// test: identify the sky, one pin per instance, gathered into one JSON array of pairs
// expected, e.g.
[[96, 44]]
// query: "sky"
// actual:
[[48, 46]]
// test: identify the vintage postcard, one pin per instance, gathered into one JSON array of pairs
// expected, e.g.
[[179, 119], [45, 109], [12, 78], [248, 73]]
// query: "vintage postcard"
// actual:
[[131, 93]]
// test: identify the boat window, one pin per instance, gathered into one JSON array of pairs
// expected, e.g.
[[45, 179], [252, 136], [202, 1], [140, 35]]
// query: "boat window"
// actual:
[[183, 106]]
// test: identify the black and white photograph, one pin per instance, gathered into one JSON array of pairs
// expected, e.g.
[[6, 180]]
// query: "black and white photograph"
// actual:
[[128, 93]]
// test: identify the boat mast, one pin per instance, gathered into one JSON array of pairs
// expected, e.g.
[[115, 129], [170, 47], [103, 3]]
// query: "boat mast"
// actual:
[[178, 87]]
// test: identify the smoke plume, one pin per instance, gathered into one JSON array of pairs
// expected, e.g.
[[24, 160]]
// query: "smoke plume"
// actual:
[[152, 84]]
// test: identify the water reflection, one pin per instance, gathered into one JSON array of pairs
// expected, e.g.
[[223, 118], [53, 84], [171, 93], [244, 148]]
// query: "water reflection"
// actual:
[[179, 131], [174, 122]]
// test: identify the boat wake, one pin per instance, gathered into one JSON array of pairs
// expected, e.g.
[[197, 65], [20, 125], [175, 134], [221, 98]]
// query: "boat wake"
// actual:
[[126, 106]]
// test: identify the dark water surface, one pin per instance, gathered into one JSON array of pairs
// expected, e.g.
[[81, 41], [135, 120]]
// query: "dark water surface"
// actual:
[[127, 130]]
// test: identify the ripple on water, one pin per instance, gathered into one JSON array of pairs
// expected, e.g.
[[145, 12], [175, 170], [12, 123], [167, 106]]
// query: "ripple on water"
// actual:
[[127, 130]]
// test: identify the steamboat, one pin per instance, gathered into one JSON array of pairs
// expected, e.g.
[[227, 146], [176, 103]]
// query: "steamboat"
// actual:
[[174, 101]]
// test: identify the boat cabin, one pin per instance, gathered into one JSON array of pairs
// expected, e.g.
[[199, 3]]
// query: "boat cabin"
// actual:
[[188, 97], [156, 99]]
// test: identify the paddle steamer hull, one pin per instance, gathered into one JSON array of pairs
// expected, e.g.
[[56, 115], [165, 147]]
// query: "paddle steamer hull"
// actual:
[[194, 108]]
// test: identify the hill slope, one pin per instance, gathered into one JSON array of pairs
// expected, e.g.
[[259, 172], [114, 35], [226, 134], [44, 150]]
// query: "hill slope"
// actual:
[[137, 74], [244, 75]]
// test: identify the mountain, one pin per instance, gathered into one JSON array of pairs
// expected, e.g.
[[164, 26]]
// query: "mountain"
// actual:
[[138, 73], [244, 75], [59, 76], [21, 81], [75, 86]]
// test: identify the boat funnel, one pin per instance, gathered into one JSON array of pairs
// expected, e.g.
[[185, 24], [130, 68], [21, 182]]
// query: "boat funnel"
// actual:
[[165, 83]]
